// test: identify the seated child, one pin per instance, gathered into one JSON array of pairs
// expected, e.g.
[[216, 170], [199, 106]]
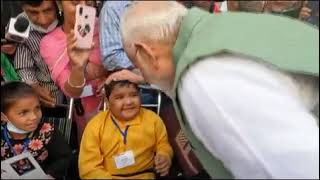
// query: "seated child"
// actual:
[[23, 131], [126, 141]]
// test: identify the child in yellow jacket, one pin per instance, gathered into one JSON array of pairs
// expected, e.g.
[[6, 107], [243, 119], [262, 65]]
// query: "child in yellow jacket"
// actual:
[[126, 141]]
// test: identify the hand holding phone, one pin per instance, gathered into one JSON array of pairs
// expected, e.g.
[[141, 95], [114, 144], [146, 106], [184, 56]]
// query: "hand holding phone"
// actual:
[[78, 56], [84, 26]]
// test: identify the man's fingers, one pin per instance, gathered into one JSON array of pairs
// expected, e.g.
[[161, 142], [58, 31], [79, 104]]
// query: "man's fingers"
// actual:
[[46, 103], [305, 13], [48, 100], [304, 16], [112, 77], [46, 94], [107, 81]]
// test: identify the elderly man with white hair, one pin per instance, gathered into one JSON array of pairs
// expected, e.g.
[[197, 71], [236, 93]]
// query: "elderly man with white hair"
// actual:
[[244, 85]]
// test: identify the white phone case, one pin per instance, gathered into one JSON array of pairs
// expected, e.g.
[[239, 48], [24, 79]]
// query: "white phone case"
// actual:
[[84, 25]]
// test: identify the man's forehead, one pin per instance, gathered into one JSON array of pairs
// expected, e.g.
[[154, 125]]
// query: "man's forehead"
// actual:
[[43, 6]]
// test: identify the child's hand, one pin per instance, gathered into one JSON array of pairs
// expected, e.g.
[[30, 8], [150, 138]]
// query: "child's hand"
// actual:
[[162, 164]]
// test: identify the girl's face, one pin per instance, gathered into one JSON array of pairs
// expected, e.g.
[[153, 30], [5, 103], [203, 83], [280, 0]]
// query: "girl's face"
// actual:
[[25, 113], [69, 10]]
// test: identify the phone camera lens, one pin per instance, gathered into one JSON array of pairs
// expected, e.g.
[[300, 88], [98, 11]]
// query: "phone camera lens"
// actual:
[[80, 10]]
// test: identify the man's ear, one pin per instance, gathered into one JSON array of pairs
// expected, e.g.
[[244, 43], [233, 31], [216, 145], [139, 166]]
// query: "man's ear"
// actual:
[[145, 54], [4, 117]]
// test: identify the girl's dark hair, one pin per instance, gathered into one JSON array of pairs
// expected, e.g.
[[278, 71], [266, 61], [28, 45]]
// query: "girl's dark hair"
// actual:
[[11, 91], [108, 88]]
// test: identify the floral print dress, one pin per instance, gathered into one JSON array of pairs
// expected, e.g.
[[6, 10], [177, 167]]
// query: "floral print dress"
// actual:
[[47, 146]]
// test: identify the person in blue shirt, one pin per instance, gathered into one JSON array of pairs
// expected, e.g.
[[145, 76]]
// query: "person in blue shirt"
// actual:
[[114, 58]]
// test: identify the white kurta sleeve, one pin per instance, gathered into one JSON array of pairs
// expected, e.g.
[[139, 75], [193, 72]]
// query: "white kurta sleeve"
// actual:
[[248, 118]]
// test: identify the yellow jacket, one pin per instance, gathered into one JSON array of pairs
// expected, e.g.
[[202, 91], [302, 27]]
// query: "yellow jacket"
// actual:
[[102, 140]]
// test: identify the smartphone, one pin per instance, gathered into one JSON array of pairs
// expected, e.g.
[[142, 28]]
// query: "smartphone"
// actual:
[[84, 25]]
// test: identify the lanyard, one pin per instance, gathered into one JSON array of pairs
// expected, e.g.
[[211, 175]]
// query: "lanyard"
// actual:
[[124, 134], [25, 141]]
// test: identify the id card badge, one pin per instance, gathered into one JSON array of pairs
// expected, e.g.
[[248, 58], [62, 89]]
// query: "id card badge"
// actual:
[[87, 91], [124, 159]]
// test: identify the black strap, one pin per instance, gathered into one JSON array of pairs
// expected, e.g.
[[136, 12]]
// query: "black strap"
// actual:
[[151, 170], [78, 107], [211, 7]]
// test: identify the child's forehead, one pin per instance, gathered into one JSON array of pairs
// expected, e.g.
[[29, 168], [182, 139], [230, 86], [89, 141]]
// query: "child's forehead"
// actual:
[[25, 102], [124, 88], [30, 98]]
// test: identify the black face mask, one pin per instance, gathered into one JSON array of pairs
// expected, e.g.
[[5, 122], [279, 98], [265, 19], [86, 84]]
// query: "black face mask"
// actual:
[[211, 7]]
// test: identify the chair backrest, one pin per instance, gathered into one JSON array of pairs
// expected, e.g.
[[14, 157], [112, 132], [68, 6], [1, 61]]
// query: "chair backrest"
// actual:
[[153, 89]]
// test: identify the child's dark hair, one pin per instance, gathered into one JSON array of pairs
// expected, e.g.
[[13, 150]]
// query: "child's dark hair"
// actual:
[[108, 88], [11, 91]]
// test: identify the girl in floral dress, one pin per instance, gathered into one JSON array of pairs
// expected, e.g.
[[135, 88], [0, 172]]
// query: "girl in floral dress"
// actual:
[[23, 131]]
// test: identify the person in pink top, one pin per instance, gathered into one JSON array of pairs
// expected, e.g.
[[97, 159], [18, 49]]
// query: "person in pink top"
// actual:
[[77, 72]]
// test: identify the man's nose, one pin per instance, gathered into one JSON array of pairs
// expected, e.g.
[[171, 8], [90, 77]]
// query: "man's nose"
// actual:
[[128, 100], [33, 116], [43, 20]]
